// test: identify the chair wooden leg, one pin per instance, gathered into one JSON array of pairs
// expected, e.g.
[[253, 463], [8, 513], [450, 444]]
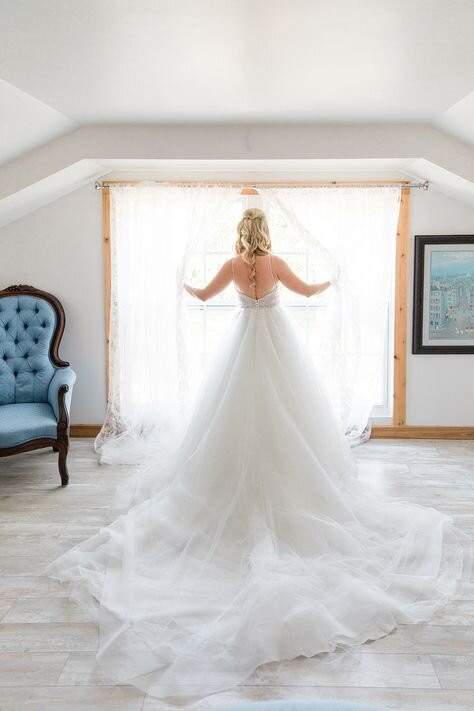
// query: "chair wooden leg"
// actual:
[[62, 463], [62, 441], [55, 449]]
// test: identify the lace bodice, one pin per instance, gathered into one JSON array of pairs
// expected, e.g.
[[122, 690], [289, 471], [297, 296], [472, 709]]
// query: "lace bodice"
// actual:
[[272, 298]]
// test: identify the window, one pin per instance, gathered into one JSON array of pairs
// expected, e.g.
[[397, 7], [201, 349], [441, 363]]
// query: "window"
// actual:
[[153, 230], [208, 321]]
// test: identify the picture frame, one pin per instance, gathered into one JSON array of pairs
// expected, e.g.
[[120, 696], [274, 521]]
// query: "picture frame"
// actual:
[[443, 294]]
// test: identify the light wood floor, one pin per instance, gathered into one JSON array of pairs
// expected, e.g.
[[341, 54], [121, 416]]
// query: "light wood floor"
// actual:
[[47, 644]]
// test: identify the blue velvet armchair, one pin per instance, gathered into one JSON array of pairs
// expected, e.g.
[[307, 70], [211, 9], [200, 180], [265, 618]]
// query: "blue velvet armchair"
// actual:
[[35, 384]]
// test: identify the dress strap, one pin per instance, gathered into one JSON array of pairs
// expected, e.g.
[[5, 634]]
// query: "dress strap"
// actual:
[[271, 270]]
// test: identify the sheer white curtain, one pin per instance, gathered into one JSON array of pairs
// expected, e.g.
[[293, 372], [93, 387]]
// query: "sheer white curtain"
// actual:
[[152, 229], [346, 235]]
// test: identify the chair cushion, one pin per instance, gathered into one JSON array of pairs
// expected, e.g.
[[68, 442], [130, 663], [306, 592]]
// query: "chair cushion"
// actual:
[[24, 421], [27, 325]]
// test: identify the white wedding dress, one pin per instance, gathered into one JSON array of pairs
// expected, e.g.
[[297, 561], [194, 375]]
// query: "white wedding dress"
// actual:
[[258, 543]]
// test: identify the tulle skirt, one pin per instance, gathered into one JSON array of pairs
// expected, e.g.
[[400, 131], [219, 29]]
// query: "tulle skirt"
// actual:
[[254, 541]]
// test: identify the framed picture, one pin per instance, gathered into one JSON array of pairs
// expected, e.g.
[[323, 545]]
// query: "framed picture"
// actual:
[[443, 304]]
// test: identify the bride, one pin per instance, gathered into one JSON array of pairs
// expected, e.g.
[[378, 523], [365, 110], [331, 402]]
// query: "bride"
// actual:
[[257, 542]]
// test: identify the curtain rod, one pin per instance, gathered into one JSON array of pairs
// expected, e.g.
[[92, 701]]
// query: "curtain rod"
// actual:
[[423, 185]]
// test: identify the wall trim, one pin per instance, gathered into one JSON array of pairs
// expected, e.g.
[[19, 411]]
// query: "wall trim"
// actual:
[[84, 430], [421, 432], [378, 432]]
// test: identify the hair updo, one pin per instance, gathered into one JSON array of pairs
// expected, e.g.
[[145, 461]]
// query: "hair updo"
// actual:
[[253, 238]]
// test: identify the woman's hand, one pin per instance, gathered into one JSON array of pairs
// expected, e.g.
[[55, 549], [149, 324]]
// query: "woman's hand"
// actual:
[[189, 289], [322, 287]]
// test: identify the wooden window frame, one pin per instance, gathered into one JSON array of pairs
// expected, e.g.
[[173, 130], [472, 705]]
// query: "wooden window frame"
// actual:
[[400, 301]]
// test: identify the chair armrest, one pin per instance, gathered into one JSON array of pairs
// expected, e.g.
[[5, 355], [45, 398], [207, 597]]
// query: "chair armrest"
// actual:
[[62, 377]]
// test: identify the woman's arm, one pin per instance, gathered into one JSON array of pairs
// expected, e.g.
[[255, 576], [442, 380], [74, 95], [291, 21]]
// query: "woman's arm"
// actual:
[[216, 285], [293, 282]]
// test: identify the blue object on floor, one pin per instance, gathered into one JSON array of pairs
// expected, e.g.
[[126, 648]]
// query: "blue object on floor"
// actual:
[[302, 705]]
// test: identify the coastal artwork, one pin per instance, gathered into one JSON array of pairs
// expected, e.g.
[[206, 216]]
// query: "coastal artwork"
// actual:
[[451, 303], [443, 317]]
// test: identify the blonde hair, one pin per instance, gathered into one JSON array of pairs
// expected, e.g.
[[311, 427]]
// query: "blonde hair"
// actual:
[[253, 238]]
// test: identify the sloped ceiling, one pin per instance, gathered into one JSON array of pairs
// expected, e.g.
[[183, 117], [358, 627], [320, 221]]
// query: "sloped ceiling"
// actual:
[[249, 61], [459, 119], [67, 68], [26, 122]]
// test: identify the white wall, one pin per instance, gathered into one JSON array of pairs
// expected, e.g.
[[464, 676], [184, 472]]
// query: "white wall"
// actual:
[[59, 248], [440, 388]]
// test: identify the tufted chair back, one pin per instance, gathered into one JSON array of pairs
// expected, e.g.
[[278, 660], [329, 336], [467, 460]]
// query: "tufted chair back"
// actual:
[[29, 327]]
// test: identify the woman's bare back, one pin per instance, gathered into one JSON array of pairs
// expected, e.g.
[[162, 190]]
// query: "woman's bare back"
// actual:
[[265, 279], [269, 270]]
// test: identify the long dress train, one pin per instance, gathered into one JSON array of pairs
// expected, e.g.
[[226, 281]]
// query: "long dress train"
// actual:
[[258, 543]]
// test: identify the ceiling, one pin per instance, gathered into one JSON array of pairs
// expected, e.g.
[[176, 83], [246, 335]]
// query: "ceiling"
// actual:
[[65, 63]]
